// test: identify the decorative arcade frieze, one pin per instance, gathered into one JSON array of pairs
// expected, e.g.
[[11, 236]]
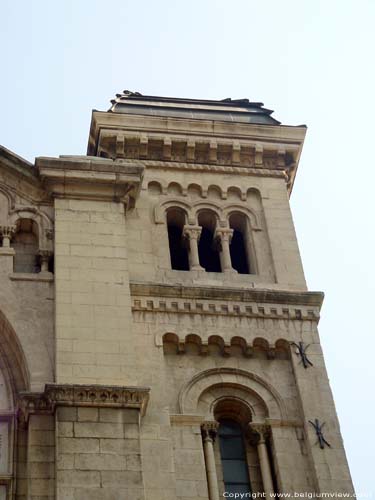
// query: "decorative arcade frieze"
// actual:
[[81, 395]]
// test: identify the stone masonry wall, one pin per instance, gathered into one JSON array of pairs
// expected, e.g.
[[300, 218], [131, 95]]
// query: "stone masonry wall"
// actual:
[[98, 454], [93, 318]]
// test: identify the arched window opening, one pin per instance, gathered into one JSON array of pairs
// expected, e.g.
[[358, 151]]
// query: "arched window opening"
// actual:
[[177, 247], [233, 457], [209, 257], [25, 244], [236, 453], [239, 244]]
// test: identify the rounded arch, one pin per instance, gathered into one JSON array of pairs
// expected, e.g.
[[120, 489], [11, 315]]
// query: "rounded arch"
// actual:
[[235, 192], [233, 406], [174, 188], [249, 382], [220, 400], [160, 210], [154, 188], [176, 212], [41, 220], [201, 206], [215, 192], [251, 215], [194, 190], [12, 356], [255, 191]]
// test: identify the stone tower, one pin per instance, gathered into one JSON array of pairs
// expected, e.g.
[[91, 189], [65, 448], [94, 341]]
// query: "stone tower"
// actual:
[[157, 338]]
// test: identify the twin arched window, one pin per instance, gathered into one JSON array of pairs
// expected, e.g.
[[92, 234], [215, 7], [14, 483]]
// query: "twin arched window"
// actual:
[[24, 238], [207, 246]]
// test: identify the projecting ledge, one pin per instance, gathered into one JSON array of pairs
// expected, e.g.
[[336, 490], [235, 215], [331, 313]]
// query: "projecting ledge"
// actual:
[[92, 178], [268, 296], [98, 396]]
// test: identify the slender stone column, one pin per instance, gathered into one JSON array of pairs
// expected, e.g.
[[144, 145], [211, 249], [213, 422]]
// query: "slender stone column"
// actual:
[[7, 232], [44, 259], [193, 233], [209, 431], [260, 432], [223, 236]]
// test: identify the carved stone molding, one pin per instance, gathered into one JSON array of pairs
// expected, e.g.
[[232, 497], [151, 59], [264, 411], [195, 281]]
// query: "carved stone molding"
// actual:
[[209, 430], [192, 232], [91, 178], [44, 256], [223, 234], [81, 395], [196, 150], [252, 303], [7, 233], [312, 299], [258, 432]]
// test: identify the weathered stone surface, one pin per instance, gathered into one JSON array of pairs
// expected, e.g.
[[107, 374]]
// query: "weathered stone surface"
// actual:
[[113, 361]]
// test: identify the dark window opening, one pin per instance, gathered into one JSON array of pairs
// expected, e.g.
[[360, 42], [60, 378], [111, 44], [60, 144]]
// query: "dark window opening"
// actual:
[[238, 253], [51, 264], [177, 247], [209, 257], [239, 244], [233, 457]]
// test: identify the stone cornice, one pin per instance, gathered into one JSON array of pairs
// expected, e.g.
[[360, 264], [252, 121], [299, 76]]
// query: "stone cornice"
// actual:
[[214, 144], [267, 296], [203, 167], [18, 164], [224, 129], [90, 178], [81, 395]]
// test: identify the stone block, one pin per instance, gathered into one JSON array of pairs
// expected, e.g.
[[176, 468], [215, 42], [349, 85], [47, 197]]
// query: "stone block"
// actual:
[[98, 430]]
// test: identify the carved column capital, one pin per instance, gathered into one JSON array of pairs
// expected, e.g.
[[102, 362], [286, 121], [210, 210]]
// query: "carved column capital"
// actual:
[[223, 234], [192, 232], [7, 232], [44, 255], [209, 430], [97, 396], [259, 432]]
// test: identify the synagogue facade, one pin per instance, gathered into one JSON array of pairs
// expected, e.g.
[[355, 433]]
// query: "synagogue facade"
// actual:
[[157, 337]]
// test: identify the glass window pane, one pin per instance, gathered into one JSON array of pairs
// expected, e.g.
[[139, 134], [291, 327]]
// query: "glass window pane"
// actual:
[[237, 488], [232, 448], [233, 457], [235, 471], [229, 428]]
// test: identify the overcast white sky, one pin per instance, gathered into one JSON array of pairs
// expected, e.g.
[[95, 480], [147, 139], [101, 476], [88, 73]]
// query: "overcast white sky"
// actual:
[[311, 61]]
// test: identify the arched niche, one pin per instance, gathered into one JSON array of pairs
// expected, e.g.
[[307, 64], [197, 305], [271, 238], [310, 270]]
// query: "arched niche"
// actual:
[[200, 392], [43, 224], [26, 245]]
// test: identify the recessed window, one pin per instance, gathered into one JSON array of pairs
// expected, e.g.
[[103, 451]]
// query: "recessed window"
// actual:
[[177, 246], [233, 457], [239, 244], [25, 244], [209, 257]]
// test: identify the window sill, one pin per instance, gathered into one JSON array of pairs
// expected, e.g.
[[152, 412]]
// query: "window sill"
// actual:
[[43, 277], [7, 251], [214, 279]]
